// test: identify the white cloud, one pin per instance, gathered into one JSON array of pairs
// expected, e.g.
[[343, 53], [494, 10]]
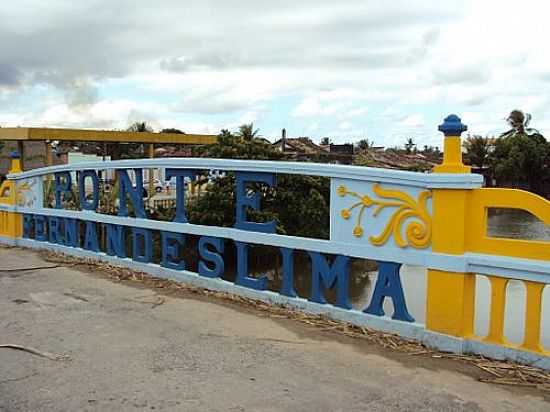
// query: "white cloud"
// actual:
[[389, 70], [313, 127], [414, 120], [345, 126]]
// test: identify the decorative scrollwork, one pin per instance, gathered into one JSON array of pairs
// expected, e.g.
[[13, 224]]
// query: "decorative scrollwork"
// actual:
[[418, 230]]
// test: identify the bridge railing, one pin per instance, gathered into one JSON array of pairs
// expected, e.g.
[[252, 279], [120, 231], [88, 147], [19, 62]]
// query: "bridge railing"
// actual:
[[436, 220]]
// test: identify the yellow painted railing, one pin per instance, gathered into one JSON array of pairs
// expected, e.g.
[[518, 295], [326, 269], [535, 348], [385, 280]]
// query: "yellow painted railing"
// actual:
[[460, 226]]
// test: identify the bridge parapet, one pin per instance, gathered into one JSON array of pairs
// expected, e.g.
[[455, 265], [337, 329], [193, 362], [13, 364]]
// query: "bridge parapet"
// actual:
[[436, 220]]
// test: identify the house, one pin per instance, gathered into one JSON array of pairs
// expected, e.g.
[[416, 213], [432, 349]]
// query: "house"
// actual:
[[304, 149]]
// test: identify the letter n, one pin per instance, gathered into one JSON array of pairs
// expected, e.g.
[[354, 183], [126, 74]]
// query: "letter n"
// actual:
[[116, 245], [125, 187]]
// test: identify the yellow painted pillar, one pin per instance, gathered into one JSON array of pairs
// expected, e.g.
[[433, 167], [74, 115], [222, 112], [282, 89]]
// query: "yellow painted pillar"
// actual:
[[450, 295], [11, 223], [533, 316], [497, 311]]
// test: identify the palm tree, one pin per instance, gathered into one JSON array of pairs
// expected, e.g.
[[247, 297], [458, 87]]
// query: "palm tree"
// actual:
[[140, 127], [247, 132], [478, 150], [410, 145], [364, 144], [519, 122]]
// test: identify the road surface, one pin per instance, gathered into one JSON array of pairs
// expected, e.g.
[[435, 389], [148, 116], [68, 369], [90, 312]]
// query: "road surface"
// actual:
[[129, 353]]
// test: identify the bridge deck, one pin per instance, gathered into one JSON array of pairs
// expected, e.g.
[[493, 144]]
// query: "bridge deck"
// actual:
[[202, 355]]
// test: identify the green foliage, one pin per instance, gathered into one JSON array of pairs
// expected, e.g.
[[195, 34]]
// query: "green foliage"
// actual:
[[364, 144], [230, 146], [410, 146], [520, 161], [140, 127], [247, 132], [172, 130], [302, 205], [299, 204], [478, 149]]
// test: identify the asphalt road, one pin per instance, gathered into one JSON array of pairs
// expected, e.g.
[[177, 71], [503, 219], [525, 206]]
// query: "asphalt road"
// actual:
[[194, 354]]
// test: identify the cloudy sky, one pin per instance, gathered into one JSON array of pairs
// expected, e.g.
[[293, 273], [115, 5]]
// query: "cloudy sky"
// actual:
[[386, 70]]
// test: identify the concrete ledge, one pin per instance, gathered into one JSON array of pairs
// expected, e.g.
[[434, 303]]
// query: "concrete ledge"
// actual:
[[415, 331], [506, 353]]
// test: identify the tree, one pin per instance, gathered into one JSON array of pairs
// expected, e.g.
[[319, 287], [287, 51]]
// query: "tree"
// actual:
[[325, 141], [299, 204], [236, 146], [520, 156], [520, 160], [247, 132], [364, 144], [140, 127], [519, 123], [410, 145], [172, 130], [478, 150]]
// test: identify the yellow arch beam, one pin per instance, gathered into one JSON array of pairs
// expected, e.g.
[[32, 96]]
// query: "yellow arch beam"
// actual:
[[37, 134]]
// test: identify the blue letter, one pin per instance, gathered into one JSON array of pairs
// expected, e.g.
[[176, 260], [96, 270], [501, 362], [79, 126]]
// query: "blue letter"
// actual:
[[180, 175], [142, 251], [72, 235], [61, 187], [388, 284], [136, 193], [252, 201], [287, 288], [40, 228], [54, 230], [171, 244], [84, 204], [116, 244], [28, 225], [337, 274], [242, 270], [90, 237], [210, 256]]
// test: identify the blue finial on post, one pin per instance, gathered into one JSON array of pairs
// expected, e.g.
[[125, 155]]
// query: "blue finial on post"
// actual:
[[452, 126], [15, 157]]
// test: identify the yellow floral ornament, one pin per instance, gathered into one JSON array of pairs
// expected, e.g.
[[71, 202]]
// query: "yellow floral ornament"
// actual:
[[418, 230], [341, 191]]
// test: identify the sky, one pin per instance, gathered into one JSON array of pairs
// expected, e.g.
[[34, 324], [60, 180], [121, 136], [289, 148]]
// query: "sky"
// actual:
[[382, 70]]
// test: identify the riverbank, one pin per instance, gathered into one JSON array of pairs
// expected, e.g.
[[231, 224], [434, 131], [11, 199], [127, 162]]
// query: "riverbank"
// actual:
[[137, 345]]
